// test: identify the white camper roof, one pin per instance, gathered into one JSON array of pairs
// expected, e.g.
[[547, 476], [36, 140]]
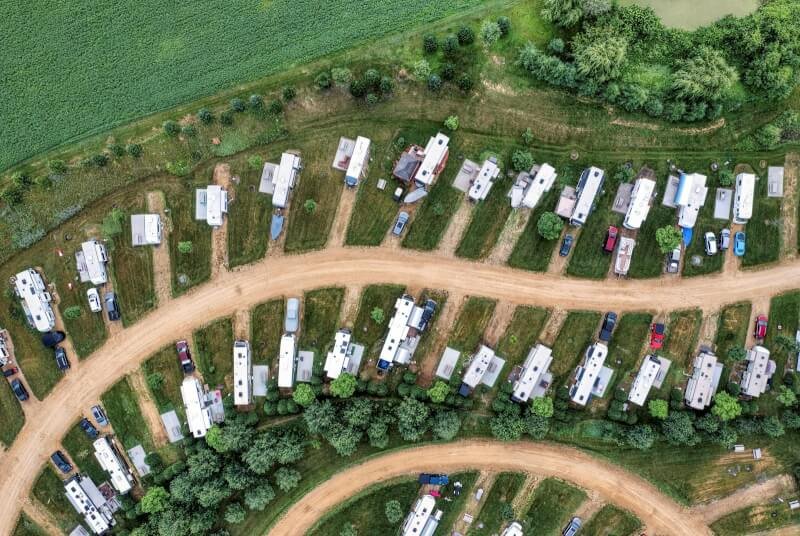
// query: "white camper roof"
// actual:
[[286, 357], [743, 200], [639, 206], [284, 179], [435, 153], [211, 203], [92, 259], [534, 368], [478, 366], [145, 229], [110, 461], [337, 359], [398, 328], [242, 374], [702, 385], [589, 186], [419, 516], [760, 369], [198, 414], [622, 262], [588, 373], [35, 299], [539, 184], [82, 494], [359, 159], [483, 182], [644, 380], [690, 198]]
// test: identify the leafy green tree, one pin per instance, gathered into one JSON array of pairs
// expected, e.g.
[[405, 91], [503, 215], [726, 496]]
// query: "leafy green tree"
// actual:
[[205, 116], [564, 13], [171, 128], [155, 381], [450, 45], [394, 511], [445, 424], [358, 88], [726, 407], [451, 123], [344, 439], [537, 426], [507, 426], [412, 419], [112, 224], [422, 69], [257, 497], [378, 434], [549, 225], [310, 206], [542, 406], [238, 105], [678, 429], [190, 131], [438, 392], [304, 394], [358, 411], [600, 57], [659, 409], [464, 82], [787, 344], [430, 44], [726, 178], [320, 416], [386, 85], [185, 246], [100, 160], [521, 160], [255, 101], [668, 238], [323, 80], [348, 529], [377, 315], [772, 427], [737, 353], [595, 8], [155, 500], [465, 35], [134, 149], [287, 478], [786, 396], [344, 386], [490, 32], [434, 82], [706, 76], [72, 312], [235, 513], [641, 436]]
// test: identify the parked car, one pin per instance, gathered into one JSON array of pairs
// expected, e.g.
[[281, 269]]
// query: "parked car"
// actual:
[[398, 194], [61, 358], [184, 356], [738, 244], [761, 327], [89, 429], [711, 243], [433, 479], [52, 338], [112, 307], [656, 336], [427, 313], [611, 239], [99, 415], [94, 300], [19, 390], [566, 245], [60, 461], [292, 319], [674, 260], [400, 224], [10, 371], [608, 325], [573, 527], [724, 239]]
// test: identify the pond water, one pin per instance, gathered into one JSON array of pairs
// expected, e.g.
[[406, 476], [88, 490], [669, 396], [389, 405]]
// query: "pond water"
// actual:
[[690, 14]]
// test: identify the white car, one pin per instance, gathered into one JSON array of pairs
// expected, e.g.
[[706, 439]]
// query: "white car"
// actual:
[[711, 243], [94, 300]]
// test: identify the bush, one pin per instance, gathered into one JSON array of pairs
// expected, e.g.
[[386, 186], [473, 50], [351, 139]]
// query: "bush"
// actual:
[[289, 93], [205, 116], [372, 99], [451, 123], [394, 511], [275, 107], [421, 69], [465, 36], [59, 167], [430, 44], [434, 82], [550, 226], [341, 76], [323, 80], [237, 105], [448, 71], [171, 128], [226, 118], [190, 131], [527, 136], [310, 206], [556, 45], [668, 238], [490, 32], [372, 78], [116, 149], [255, 101], [73, 312], [521, 160], [450, 45], [726, 178], [100, 160], [464, 82], [386, 85], [358, 88], [185, 247], [504, 24]]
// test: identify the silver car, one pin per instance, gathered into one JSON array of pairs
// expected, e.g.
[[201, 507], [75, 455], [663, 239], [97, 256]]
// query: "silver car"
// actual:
[[292, 319], [724, 239]]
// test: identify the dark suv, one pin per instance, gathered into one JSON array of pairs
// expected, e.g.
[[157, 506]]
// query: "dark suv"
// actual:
[[607, 328], [19, 390], [427, 314], [112, 308], [89, 429], [61, 462], [52, 338], [61, 359]]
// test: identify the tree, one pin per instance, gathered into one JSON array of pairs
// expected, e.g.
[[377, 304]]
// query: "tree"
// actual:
[[310, 206], [304, 394], [772, 427], [726, 407], [659, 409], [465, 35], [255, 101], [358, 88], [438, 392], [185, 246], [542, 406], [171, 128], [348, 529], [226, 118], [155, 500], [521, 160], [72, 312], [787, 344], [726, 178], [641, 436], [706, 76], [155, 381], [257, 497], [237, 105], [450, 45], [549, 226], [394, 511], [490, 32], [344, 386], [323, 80], [445, 424], [507, 426], [737, 353], [100, 160], [537, 426], [288, 93], [377, 315], [235, 513], [205, 116], [112, 224], [595, 8], [668, 238], [451, 123], [134, 149], [320, 416], [422, 69], [600, 57], [341, 76], [786, 396], [287, 478], [412, 419], [430, 44], [678, 430], [386, 85], [464, 82], [504, 24], [564, 13], [434, 82]]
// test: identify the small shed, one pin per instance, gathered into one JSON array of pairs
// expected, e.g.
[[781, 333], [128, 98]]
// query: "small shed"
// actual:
[[493, 371], [172, 425], [469, 170], [566, 202], [260, 380], [722, 204], [447, 364], [775, 181], [137, 455], [356, 355], [669, 192], [305, 366], [623, 198]]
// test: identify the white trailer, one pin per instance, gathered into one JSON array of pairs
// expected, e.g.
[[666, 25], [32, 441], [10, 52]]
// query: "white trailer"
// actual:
[[639, 206], [743, 200]]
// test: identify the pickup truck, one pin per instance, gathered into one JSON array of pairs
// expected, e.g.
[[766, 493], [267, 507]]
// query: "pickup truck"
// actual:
[[433, 480], [184, 357]]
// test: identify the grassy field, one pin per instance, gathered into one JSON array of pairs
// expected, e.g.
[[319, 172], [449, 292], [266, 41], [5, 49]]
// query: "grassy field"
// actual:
[[696, 249], [577, 332], [453, 508], [612, 521], [213, 352], [249, 214], [648, 261], [764, 230], [193, 268], [365, 510], [532, 252], [122, 408], [131, 270], [165, 363], [49, 491], [554, 501], [10, 414], [27, 527], [522, 333], [320, 318], [762, 517], [471, 323], [626, 344], [365, 330], [488, 219], [434, 327], [683, 329], [734, 321], [784, 311], [81, 451], [266, 325], [500, 496]]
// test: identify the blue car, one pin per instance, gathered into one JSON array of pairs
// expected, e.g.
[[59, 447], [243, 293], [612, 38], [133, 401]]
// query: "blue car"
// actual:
[[738, 244], [566, 245]]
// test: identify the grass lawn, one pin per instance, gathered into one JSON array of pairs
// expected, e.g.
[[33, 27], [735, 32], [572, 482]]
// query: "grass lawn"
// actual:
[[683, 328], [705, 223], [532, 252], [49, 491], [554, 502], [122, 408], [366, 510], [648, 261], [429, 335], [764, 230], [193, 268], [80, 449], [577, 332], [165, 363], [734, 321], [10, 415], [365, 330], [471, 323], [500, 496], [522, 333], [27, 527], [612, 521], [452, 509], [488, 219], [784, 311], [321, 310], [266, 328], [762, 517], [249, 214], [213, 351], [625, 348]]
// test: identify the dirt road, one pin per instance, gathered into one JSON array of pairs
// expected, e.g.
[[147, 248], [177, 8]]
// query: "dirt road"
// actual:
[[749, 496], [230, 291], [612, 484]]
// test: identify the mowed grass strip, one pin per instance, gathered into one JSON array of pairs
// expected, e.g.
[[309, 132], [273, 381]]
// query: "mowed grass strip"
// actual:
[[648, 261], [453, 509], [522, 333], [554, 502], [756, 519], [165, 366], [612, 521], [213, 351], [784, 311], [498, 500], [266, 328], [471, 323], [532, 252], [249, 215], [575, 336], [734, 321], [588, 258], [764, 230], [488, 219], [48, 489], [434, 326], [27, 527], [366, 330], [321, 310], [81, 451], [122, 408], [626, 344], [683, 328], [11, 414], [194, 267], [696, 251], [131, 270], [365, 511]]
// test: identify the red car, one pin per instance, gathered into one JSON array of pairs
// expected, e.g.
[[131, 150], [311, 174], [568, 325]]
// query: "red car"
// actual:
[[656, 336], [184, 356], [611, 239], [761, 326]]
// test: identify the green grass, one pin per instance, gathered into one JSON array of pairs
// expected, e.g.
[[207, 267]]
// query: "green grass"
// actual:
[[612, 521], [764, 230], [49, 491], [588, 258], [705, 223], [10, 414], [522, 333], [365, 330], [165, 363], [756, 519], [683, 328], [132, 273], [554, 501], [122, 408], [195, 266], [505, 488], [249, 215], [266, 325], [488, 219], [320, 318], [572, 341], [784, 311], [626, 344], [429, 335], [213, 351], [366, 510], [734, 321], [648, 261], [27, 527], [81, 451], [532, 252], [452, 509], [471, 323]]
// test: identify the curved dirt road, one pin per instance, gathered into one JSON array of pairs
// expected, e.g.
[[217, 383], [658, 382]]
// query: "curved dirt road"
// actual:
[[48, 421], [658, 512]]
